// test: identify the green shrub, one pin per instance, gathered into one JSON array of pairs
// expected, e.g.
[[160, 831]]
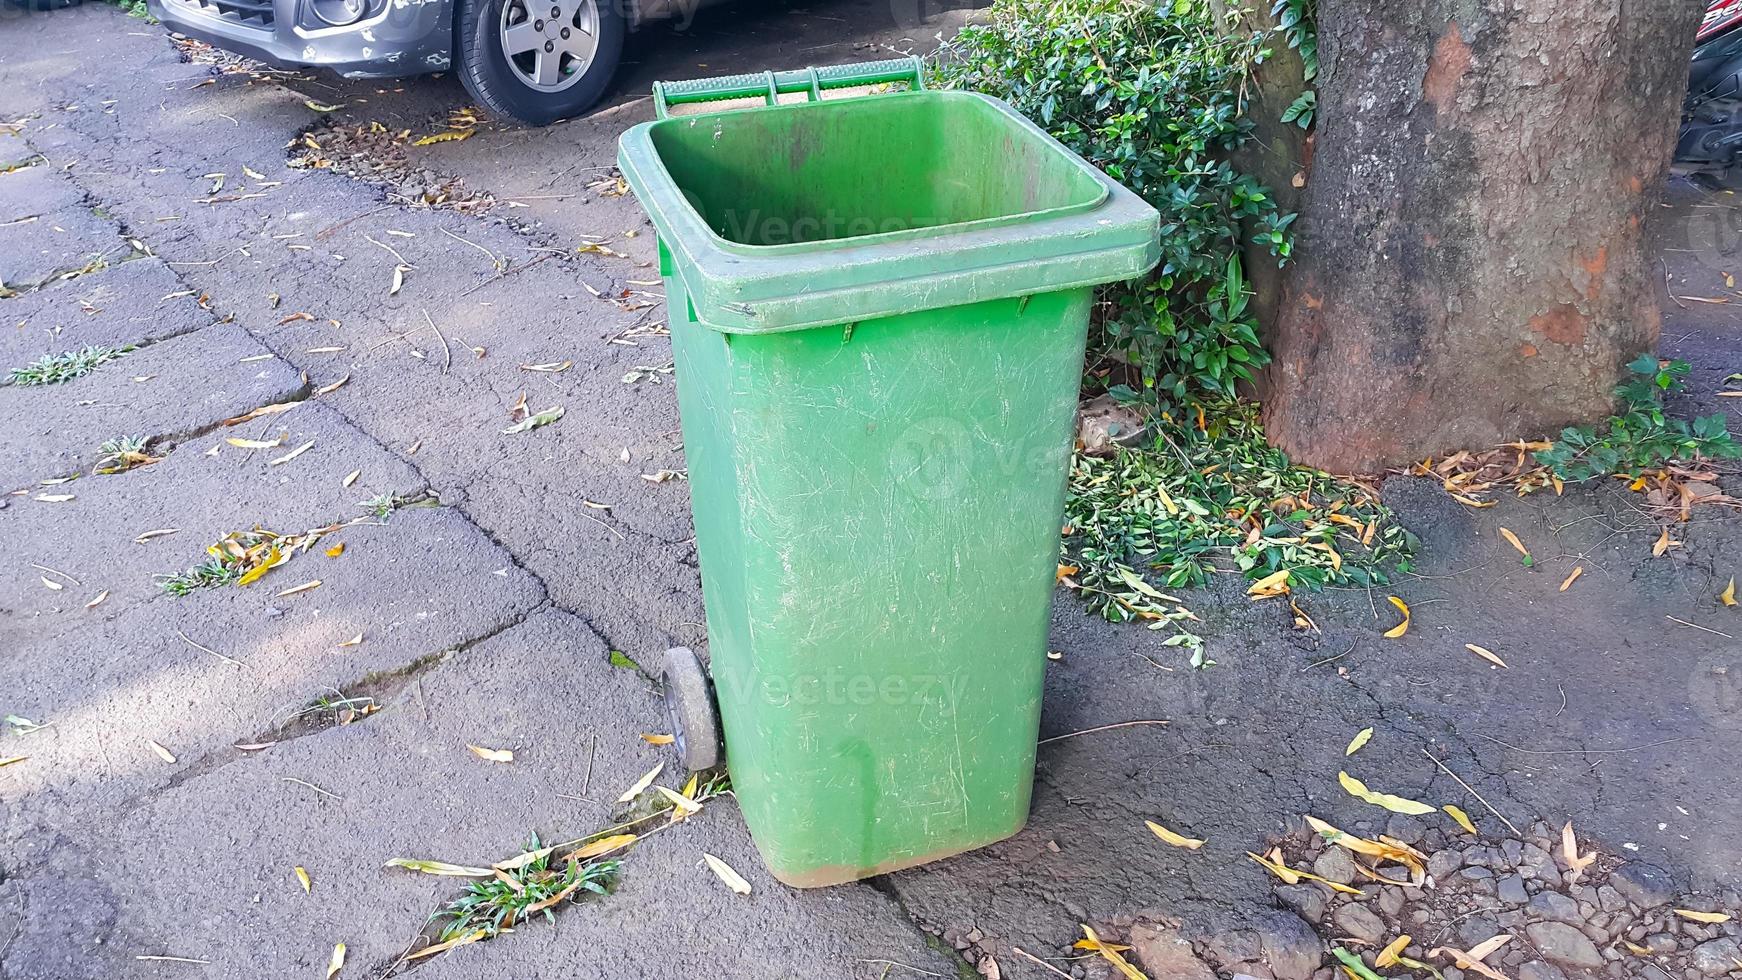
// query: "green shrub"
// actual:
[[1642, 436], [1154, 97]]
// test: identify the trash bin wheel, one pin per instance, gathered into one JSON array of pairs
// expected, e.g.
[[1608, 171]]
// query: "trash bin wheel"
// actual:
[[689, 703]]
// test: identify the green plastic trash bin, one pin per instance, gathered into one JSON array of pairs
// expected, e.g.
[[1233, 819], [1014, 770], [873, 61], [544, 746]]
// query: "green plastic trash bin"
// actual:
[[878, 310]]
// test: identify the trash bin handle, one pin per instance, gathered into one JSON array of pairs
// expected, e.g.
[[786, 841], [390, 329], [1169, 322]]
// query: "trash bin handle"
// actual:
[[769, 85]]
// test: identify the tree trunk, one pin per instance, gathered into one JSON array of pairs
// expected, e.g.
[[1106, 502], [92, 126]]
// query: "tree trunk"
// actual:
[[1471, 267]]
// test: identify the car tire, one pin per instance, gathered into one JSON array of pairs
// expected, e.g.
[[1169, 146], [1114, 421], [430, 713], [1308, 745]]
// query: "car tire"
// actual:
[[538, 85], [43, 5]]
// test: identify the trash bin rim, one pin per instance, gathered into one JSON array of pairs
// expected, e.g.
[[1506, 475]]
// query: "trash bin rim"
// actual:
[[637, 143]]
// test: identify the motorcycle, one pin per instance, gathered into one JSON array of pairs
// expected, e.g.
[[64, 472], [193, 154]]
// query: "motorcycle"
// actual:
[[1711, 133]]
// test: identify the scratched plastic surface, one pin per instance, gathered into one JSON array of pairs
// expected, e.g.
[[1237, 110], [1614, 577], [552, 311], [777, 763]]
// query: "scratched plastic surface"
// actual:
[[877, 447]]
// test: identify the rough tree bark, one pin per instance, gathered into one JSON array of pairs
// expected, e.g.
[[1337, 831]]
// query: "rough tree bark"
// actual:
[[1471, 267]]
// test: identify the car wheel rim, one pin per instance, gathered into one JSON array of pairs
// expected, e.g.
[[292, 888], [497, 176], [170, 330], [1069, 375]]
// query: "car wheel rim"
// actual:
[[549, 44]]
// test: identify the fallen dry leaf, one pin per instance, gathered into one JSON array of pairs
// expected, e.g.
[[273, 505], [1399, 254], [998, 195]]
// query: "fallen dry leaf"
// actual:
[[657, 739], [353, 641], [336, 550], [162, 753], [1572, 577], [733, 879], [302, 876], [294, 453], [641, 784], [1485, 654], [160, 532], [295, 589], [1402, 854], [52, 585], [255, 443], [262, 411], [1728, 596], [1512, 539], [1110, 953], [1570, 853], [603, 845], [53, 498], [1707, 918], [465, 940], [1388, 956], [1400, 628], [1291, 876], [492, 755], [1663, 544], [1361, 738], [337, 963], [1169, 837], [1396, 804], [1276, 583], [9, 760], [98, 600], [439, 868], [1463, 819], [350, 478]]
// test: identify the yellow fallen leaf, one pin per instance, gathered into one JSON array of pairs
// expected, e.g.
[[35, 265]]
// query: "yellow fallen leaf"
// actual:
[[1572, 577], [254, 443], [1400, 628], [294, 453], [465, 940], [302, 876], [439, 868], [1169, 837], [1472, 501], [1361, 738], [1469, 961], [657, 739], [1388, 955], [1708, 918], [641, 784], [336, 550], [1275, 583], [353, 641], [162, 753], [1112, 956], [684, 804], [9, 760], [1463, 819], [1485, 654], [1635, 948], [1291, 876], [446, 137], [1728, 596], [1486, 947], [337, 963], [1576, 864], [293, 590], [1512, 539], [252, 575], [1396, 804], [1663, 544], [733, 879], [491, 755], [603, 845], [1402, 854]]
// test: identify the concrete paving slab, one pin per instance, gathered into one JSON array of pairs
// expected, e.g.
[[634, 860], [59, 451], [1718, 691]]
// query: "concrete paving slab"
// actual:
[[204, 489], [424, 581], [28, 193], [59, 242], [203, 869], [133, 303], [168, 390]]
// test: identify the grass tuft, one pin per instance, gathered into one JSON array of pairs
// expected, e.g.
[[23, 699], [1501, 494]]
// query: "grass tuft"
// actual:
[[123, 453], [207, 574], [493, 904], [55, 368]]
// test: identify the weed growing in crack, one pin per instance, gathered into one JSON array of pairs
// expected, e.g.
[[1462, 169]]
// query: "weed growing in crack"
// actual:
[[56, 368], [381, 505], [207, 574], [124, 453], [495, 904]]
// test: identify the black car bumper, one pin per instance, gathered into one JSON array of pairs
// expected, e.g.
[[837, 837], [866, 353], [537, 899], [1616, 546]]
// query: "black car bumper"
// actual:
[[394, 38]]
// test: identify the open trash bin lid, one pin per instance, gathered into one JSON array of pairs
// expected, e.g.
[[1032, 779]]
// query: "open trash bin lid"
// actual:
[[798, 215]]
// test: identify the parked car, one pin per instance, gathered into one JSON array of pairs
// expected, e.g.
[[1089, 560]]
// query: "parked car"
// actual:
[[535, 60]]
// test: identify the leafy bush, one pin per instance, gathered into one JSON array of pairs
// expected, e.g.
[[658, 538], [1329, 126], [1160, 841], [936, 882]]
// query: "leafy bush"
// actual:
[[1641, 437], [1153, 95]]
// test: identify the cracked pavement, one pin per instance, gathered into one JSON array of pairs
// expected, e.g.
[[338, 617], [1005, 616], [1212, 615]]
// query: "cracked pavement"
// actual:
[[487, 618]]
